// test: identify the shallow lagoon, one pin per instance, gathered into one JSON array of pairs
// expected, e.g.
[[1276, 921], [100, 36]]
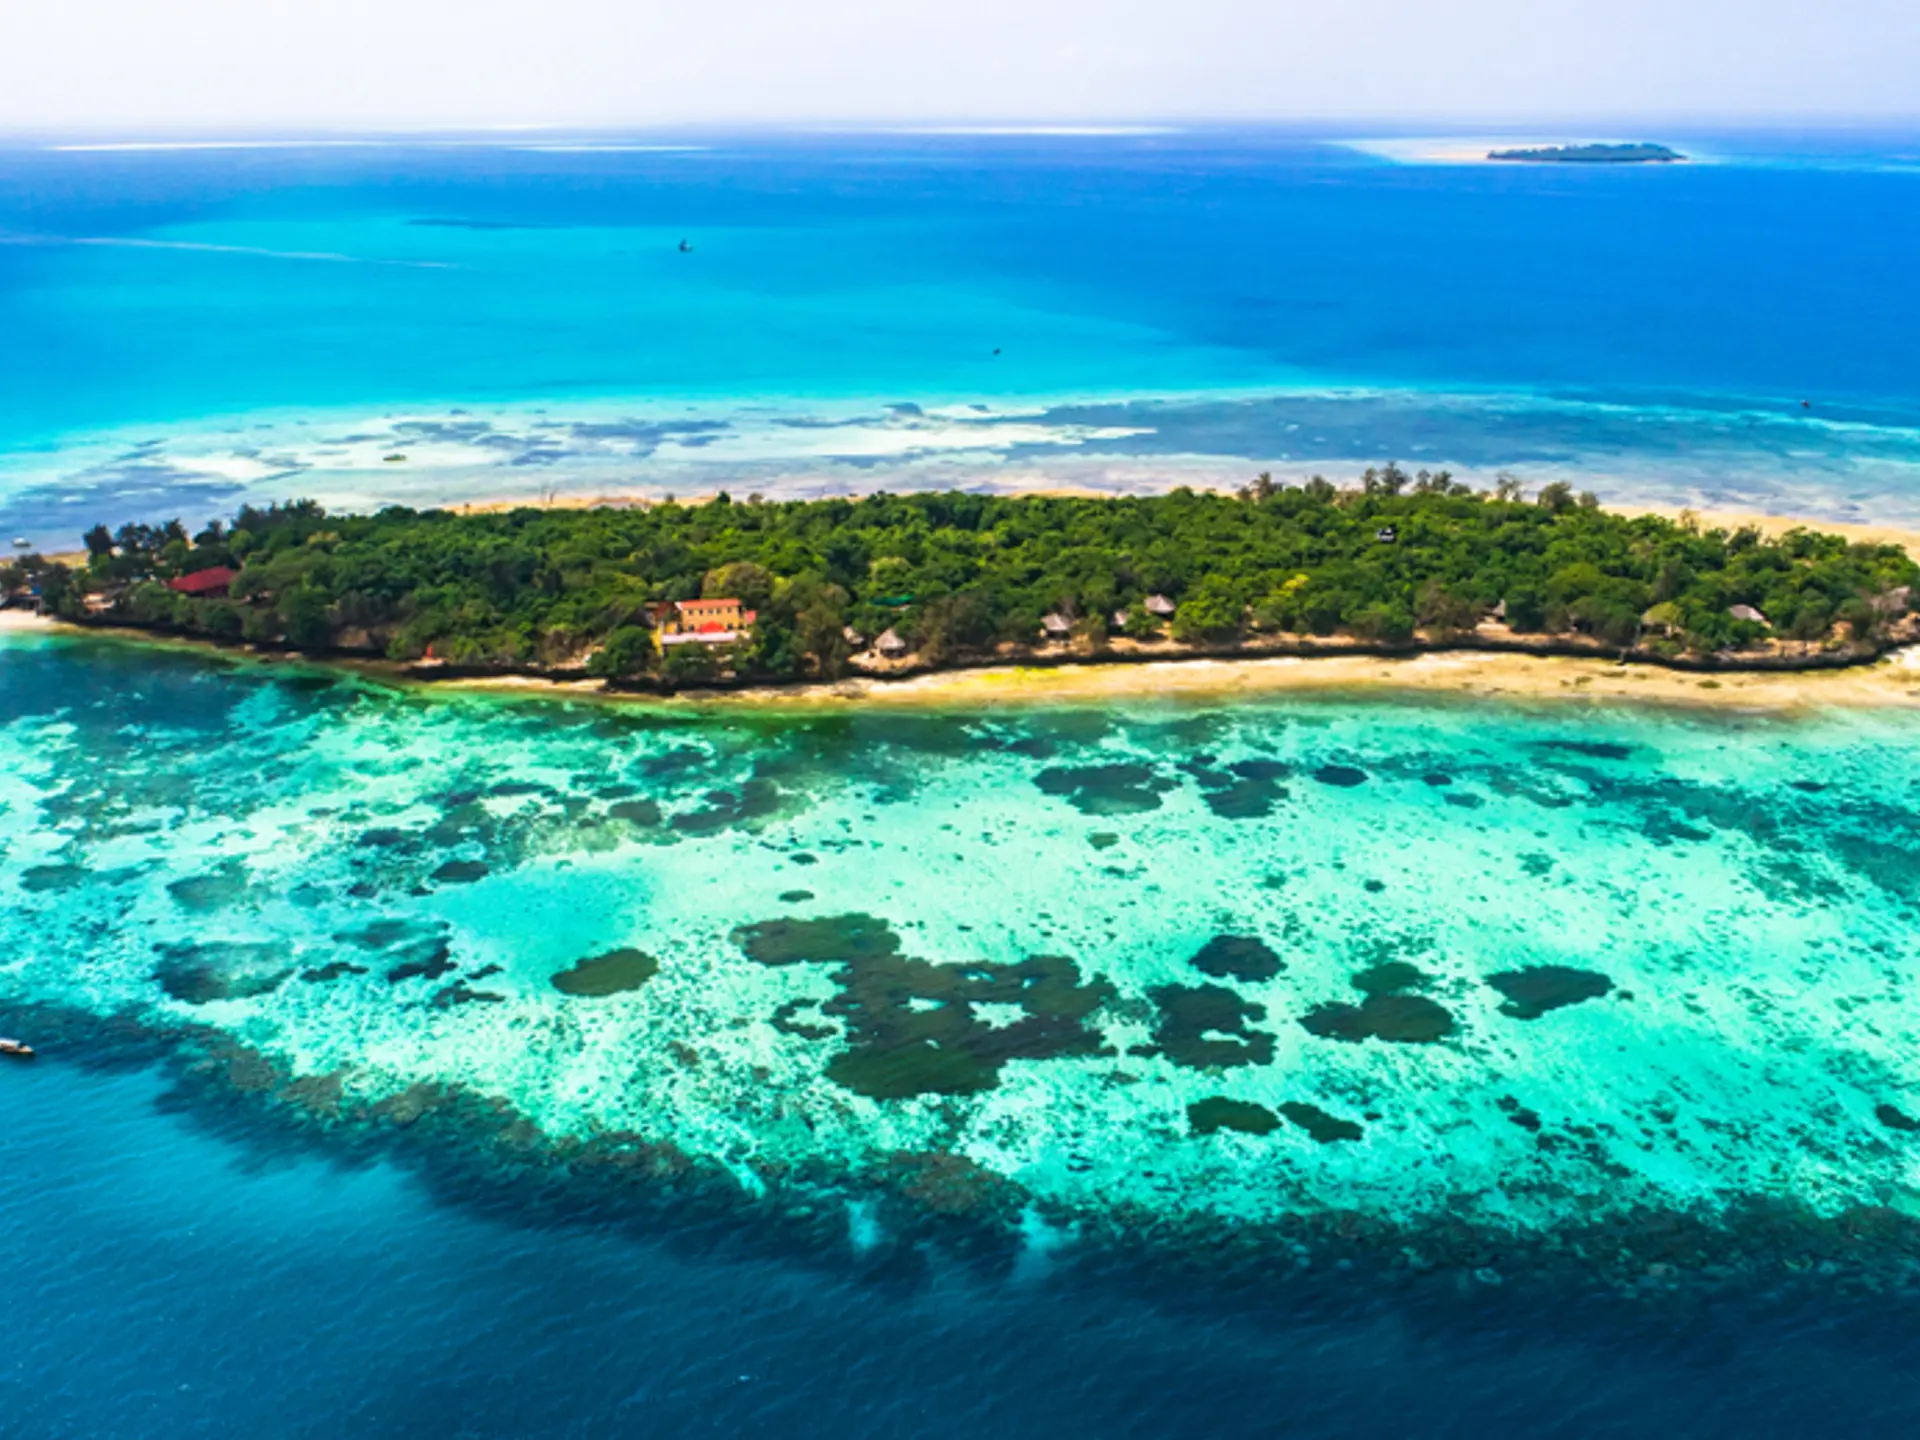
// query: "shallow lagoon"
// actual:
[[1525, 967]]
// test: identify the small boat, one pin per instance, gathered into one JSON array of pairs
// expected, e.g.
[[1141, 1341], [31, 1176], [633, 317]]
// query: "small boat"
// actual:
[[15, 1049], [685, 248], [20, 542]]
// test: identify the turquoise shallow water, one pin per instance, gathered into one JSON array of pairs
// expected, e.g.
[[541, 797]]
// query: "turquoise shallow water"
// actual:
[[892, 1078], [190, 328], [378, 890]]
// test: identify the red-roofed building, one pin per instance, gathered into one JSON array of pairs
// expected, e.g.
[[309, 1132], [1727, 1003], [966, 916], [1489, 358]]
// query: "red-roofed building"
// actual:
[[705, 622], [204, 582]]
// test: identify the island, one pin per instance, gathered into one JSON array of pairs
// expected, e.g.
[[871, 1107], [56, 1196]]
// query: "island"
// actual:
[[1638, 154], [673, 596]]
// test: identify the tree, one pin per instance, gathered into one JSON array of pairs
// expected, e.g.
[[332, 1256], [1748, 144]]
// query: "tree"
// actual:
[[1211, 613], [1443, 611], [303, 613], [689, 665], [627, 651], [1526, 608], [751, 584], [1386, 621], [1557, 497]]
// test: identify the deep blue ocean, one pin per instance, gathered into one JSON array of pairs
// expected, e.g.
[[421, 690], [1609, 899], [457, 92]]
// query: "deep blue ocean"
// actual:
[[188, 327], [174, 1272]]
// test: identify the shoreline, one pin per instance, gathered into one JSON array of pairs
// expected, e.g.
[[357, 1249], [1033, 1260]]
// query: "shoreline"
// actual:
[[1512, 676]]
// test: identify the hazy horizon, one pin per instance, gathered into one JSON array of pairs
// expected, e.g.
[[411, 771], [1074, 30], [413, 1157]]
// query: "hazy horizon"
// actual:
[[367, 66]]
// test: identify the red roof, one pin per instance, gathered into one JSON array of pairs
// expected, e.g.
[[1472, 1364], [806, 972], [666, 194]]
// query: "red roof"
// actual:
[[204, 582]]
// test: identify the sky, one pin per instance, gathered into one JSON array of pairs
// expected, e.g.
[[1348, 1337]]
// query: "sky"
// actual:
[[149, 66]]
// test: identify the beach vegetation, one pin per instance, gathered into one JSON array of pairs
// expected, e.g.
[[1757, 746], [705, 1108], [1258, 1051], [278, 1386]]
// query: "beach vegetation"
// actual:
[[1394, 561]]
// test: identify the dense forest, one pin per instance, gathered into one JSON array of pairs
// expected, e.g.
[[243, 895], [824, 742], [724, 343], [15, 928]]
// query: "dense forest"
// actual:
[[1396, 560]]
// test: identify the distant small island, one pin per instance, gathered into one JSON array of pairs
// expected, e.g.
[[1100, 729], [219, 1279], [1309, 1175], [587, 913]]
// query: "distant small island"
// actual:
[[1592, 154]]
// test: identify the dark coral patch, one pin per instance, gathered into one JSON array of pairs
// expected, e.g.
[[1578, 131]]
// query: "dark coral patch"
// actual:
[[1663, 829], [1219, 1113], [1202, 1025], [509, 789], [912, 1026], [1400, 1019], [1106, 789], [1344, 776], [1261, 769], [787, 1021], [333, 970], [460, 993], [1319, 1124], [1247, 790], [727, 809], [460, 872], [1896, 1119], [1592, 749], [1245, 799], [949, 1184], [37, 879], [645, 813], [795, 897], [1237, 957], [379, 934], [1534, 991], [223, 886], [201, 974], [1528, 1120], [608, 974], [1390, 977], [1103, 839], [426, 959], [832, 939], [416, 951]]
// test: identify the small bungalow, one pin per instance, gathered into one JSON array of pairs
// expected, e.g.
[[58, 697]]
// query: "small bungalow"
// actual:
[[1160, 605], [1747, 612], [1056, 626], [853, 637], [1119, 619], [890, 644]]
